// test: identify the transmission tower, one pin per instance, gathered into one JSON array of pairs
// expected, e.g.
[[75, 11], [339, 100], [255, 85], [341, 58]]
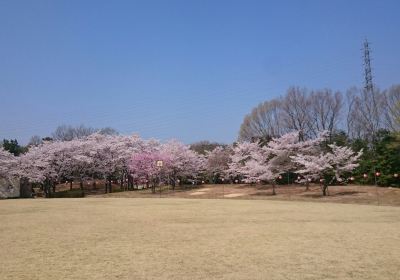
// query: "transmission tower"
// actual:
[[369, 86]]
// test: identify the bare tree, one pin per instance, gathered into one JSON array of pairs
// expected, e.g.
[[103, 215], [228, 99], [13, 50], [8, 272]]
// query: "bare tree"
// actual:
[[83, 131], [350, 117], [296, 111], [64, 133], [367, 112], [325, 110], [108, 131], [68, 132], [202, 147], [392, 116], [35, 140], [362, 113], [263, 122], [299, 110]]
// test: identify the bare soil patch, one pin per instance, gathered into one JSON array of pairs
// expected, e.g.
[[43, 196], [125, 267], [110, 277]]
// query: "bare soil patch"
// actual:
[[197, 193], [354, 194], [233, 195]]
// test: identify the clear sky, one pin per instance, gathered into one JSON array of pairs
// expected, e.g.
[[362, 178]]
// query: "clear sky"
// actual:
[[188, 70]]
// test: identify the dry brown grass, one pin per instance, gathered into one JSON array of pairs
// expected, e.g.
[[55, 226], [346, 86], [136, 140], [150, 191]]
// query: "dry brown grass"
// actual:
[[106, 238]]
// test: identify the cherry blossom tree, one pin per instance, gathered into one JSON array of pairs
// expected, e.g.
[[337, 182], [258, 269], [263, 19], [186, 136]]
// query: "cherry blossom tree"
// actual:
[[251, 163], [7, 163], [264, 164], [179, 162], [242, 153], [328, 165], [183, 162], [217, 162], [36, 166], [257, 168], [144, 167], [99, 156], [280, 151], [255, 165], [111, 154], [53, 162], [79, 161]]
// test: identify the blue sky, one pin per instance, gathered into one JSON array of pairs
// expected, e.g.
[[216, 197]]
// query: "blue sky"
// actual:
[[188, 70]]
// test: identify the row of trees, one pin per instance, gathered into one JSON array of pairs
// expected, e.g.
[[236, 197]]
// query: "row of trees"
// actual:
[[131, 161], [379, 156], [359, 119], [69, 132], [312, 160], [61, 133], [128, 159], [359, 113]]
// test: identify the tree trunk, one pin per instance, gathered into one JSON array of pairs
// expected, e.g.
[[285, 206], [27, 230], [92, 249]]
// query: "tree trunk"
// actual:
[[26, 188], [106, 186], [110, 185], [70, 186], [47, 189], [273, 189], [324, 189], [94, 186], [81, 187], [130, 182]]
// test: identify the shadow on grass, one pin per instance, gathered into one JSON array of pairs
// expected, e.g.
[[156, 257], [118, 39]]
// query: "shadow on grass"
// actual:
[[340, 194], [68, 194], [347, 193], [263, 194]]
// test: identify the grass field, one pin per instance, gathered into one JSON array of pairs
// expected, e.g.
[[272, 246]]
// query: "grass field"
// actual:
[[110, 238]]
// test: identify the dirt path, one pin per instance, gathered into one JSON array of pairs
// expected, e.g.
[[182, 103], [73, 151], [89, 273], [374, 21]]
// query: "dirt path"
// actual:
[[353, 194]]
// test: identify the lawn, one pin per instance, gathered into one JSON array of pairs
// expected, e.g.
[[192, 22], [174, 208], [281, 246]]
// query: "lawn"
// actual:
[[174, 238]]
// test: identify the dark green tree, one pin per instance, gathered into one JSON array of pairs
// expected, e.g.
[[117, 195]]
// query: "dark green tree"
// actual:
[[382, 156], [13, 147]]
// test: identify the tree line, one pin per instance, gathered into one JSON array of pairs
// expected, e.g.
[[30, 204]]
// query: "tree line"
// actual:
[[358, 113], [360, 119], [132, 161], [316, 125]]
